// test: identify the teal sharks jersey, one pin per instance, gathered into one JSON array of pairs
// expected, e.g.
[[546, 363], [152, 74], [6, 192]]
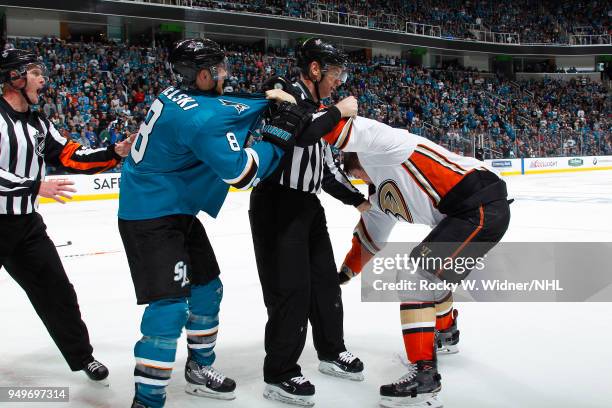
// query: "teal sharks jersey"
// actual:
[[189, 150]]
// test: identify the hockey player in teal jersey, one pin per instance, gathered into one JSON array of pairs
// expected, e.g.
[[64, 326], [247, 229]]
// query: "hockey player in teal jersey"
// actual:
[[189, 151]]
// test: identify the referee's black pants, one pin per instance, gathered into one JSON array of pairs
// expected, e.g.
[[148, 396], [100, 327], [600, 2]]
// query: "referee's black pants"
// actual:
[[30, 257], [298, 276]]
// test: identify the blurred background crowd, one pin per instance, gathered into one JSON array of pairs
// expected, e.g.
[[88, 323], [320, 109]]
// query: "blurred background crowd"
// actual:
[[544, 21], [99, 92]]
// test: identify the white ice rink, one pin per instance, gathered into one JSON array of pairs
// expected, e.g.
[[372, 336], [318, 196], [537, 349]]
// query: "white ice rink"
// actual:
[[512, 355]]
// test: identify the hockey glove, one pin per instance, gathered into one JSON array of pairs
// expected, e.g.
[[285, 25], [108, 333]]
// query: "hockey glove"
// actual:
[[283, 84], [345, 274], [285, 124], [278, 82]]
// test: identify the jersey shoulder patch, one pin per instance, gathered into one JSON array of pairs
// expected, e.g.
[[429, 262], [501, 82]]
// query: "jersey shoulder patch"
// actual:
[[240, 107]]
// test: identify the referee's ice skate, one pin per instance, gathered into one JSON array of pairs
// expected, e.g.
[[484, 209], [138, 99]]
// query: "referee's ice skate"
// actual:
[[295, 391], [96, 372], [346, 365]]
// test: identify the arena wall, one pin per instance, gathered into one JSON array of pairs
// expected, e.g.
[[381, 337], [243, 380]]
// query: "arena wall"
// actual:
[[479, 62], [586, 63], [106, 186], [538, 76], [32, 26], [540, 165]]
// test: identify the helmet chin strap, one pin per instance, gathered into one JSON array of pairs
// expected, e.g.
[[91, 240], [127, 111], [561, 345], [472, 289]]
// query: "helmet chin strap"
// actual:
[[27, 98], [316, 86], [22, 90]]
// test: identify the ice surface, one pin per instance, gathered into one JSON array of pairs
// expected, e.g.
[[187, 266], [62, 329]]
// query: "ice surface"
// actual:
[[512, 355]]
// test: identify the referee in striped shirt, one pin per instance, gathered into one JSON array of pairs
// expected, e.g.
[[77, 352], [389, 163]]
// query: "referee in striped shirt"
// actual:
[[294, 254], [28, 141]]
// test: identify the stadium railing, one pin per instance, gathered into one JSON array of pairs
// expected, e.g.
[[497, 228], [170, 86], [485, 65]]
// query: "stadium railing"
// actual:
[[496, 37], [599, 39], [559, 143], [335, 17], [183, 3], [423, 29], [385, 23]]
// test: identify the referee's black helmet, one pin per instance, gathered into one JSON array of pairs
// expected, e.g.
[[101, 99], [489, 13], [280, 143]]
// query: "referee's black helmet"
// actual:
[[326, 54], [16, 60]]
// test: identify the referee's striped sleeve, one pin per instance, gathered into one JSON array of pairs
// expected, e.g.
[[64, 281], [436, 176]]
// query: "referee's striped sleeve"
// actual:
[[77, 158], [15, 186], [336, 183]]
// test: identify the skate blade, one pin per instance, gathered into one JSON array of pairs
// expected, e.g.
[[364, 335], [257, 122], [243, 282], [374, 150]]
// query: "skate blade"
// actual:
[[448, 349], [276, 394], [203, 391], [430, 400], [100, 383], [333, 370]]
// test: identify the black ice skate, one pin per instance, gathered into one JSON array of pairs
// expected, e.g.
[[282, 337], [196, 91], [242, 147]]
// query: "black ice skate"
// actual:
[[447, 340], [96, 371], [416, 389], [205, 381], [346, 365], [138, 404], [295, 391]]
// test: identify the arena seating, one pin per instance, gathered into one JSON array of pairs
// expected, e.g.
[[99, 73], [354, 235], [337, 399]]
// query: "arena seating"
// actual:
[[98, 93]]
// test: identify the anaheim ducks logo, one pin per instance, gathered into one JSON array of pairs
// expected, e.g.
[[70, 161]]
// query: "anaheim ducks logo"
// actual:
[[392, 202]]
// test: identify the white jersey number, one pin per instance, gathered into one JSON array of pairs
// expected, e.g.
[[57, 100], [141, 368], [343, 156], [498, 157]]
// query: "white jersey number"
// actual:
[[233, 142], [138, 149]]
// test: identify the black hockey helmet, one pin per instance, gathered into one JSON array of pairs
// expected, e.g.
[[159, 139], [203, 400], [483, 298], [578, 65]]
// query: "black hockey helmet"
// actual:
[[326, 54], [16, 60], [188, 57]]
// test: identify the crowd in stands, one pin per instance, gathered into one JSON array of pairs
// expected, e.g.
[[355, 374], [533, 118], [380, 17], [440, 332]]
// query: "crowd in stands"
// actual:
[[98, 93], [276, 7], [453, 106], [542, 21]]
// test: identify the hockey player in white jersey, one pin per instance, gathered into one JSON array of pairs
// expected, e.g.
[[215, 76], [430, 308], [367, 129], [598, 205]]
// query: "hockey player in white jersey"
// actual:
[[417, 181]]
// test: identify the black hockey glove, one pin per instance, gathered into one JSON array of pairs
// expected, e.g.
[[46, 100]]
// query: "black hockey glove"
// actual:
[[278, 82], [285, 123], [345, 274]]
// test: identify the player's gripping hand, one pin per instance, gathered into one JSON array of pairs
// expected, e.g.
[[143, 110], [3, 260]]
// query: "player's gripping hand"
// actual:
[[364, 206], [123, 148], [345, 274], [280, 89], [280, 96], [56, 189], [285, 124], [348, 107]]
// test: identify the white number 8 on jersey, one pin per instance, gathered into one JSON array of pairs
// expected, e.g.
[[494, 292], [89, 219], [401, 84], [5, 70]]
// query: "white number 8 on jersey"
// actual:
[[233, 142], [138, 149]]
